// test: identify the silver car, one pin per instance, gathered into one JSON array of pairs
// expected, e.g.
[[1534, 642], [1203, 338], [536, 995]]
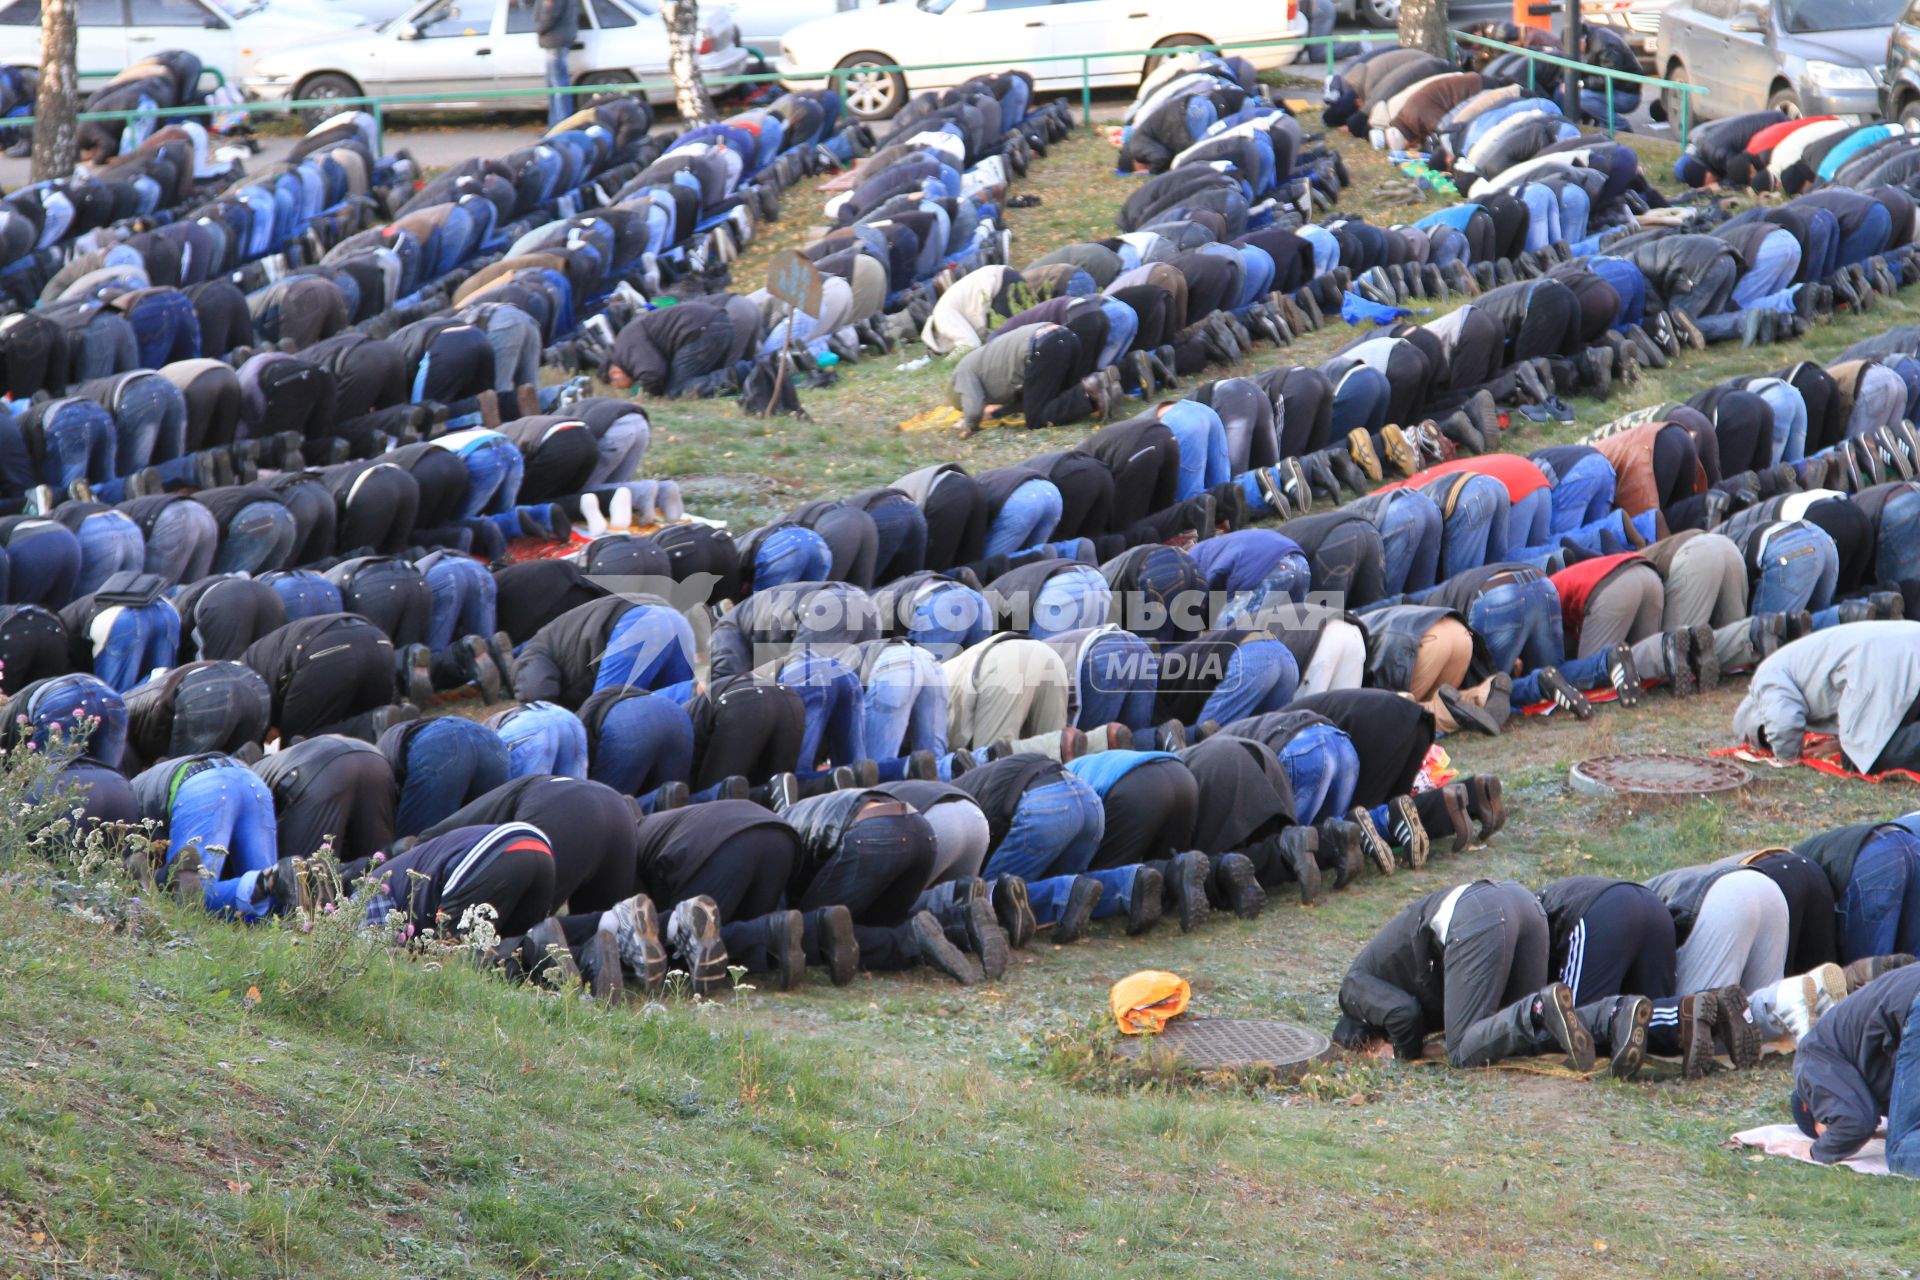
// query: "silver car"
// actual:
[[1803, 57]]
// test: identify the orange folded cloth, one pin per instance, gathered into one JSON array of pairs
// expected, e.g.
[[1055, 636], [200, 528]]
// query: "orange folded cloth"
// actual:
[[1145, 1001]]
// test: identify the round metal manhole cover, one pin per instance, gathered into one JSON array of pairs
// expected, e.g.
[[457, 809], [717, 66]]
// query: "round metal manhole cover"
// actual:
[[1656, 774], [1214, 1043]]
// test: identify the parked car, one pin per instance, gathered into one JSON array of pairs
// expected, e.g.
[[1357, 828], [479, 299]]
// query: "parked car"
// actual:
[[1811, 57], [452, 47], [763, 22], [1637, 20], [1460, 13], [227, 37], [998, 35], [1900, 98]]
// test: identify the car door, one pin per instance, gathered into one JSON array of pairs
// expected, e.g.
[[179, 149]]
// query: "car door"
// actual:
[[1093, 26], [100, 37], [1001, 34], [156, 25], [624, 40], [518, 60], [1747, 70], [1699, 39], [443, 47]]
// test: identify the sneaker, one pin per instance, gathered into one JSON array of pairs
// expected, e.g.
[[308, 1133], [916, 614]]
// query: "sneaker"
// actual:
[[1467, 715], [1360, 449], [1796, 1000], [1627, 1036], [635, 929], [1012, 908], [1399, 451], [1622, 674], [1860, 972], [1378, 851], [1242, 886], [546, 944], [838, 946], [1734, 1027], [1077, 915], [1188, 886], [1148, 903], [1553, 1013], [1407, 831], [783, 792], [1685, 331], [936, 952], [693, 931]]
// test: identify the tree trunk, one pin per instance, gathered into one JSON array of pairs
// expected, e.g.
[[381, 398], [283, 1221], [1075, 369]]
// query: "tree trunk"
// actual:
[[1423, 25], [56, 134], [690, 96]]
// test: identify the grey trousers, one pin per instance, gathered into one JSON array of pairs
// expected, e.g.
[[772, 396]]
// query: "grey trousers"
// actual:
[[1495, 963], [1739, 937]]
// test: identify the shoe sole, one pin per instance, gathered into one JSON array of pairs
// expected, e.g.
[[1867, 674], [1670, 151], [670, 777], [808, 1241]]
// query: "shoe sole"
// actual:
[[988, 939], [790, 953], [1248, 898], [1191, 889], [1016, 913], [1565, 1028], [1627, 1058], [842, 948], [1734, 1024], [1418, 845], [1077, 915], [609, 987], [1375, 845], [937, 953]]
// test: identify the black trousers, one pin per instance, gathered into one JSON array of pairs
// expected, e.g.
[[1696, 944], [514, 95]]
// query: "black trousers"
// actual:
[[959, 514], [877, 873], [1150, 814], [393, 596], [1622, 945], [1551, 326], [379, 513], [349, 798], [220, 706], [560, 465], [1675, 463], [703, 353], [1743, 424], [1813, 937], [315, 517], [1050, 387], [517, 884], [854, 541], [1145, 483], [1087, 493], [1853, 535], [442, 481], [1154, 307], [746, 877], [346, 678], [751, 736], [33, 646]]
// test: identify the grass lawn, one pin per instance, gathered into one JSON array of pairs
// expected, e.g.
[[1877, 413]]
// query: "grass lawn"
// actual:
[[158, 1119]]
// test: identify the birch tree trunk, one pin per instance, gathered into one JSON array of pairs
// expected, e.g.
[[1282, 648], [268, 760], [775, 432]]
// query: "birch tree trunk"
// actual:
[[690, 96], [1423, 25], [56, 133]]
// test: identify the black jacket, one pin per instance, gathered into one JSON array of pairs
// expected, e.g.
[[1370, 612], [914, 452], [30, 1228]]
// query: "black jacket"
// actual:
[[1244, 792], [998, 785], [1843, 1069], [557, 22], [1402, 969], [1834, 851]]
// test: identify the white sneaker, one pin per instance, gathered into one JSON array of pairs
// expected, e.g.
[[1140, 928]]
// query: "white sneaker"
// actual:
[[620, 510], [590, 513]]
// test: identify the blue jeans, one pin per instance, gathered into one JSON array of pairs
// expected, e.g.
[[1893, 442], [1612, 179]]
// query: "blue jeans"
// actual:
[[1476, 529], [906, 704], [305, 593], [651, 647], [1769, 281], [1903, 1106], [43, 564], [643, 744], [1410, 536], [1202, 438], [81, 443], [1056, 830], [559, 105], [227, 808], [1027, 518], [1584, 494], [258, 537], [1530, 520], [836, 731], [181, 543], [110, 542], [1869, 238], [1799, 570], [1117, 682], [61, 701], [1360, 401], [139, 638], [495, 468], [463, 601], [1324, 768], [1261, 676], [791, 553], [1048, 896], [1879, 912], [542, 737], [1789, 417], [449, 762], [1520, 621], [1071, 600], [1899, 552], [947, 617]]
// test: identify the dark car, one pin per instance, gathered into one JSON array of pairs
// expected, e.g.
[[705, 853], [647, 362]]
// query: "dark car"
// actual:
[[1901, 98], [1803, 57]]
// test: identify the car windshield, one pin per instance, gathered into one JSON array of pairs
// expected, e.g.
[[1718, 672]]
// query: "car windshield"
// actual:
[[239, 8], [420, 18], [1801, 16], [934, 6]]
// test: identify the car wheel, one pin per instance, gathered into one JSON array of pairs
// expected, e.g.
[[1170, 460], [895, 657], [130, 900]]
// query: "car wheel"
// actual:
[[327, 84], [581, 100], [1670, 99], [1378, 13], [870, 93], [1171, 42], [1786, 101], [1910, 114]]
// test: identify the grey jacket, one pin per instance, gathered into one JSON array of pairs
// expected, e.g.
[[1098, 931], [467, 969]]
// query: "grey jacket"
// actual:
[[1856, 680]]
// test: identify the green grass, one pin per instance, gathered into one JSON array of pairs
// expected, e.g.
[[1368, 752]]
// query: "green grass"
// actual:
[[431, 1121]]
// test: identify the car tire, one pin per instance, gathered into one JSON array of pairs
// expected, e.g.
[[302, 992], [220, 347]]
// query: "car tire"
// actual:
[[1378, 13], [325, 84], [871, 95], [1909, 114], [1785, 100], [1671, 99], [581, 100], [1171, 42]]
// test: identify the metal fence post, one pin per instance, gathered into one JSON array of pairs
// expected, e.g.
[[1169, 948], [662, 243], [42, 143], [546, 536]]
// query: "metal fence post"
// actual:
[[1610, 83], [1686, 110], [379, 127], [1086, 92]]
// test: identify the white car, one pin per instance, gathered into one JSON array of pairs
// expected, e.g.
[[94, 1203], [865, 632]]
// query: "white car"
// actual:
[[763, 22], [450, 47], [226, 36], [1001, 35]]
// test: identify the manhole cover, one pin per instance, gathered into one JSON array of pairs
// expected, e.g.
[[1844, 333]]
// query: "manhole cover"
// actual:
[[1656, 774], [1210, 1043]]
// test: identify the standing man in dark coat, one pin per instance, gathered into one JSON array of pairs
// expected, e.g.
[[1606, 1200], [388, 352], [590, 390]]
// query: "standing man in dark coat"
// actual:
[[558, 24]]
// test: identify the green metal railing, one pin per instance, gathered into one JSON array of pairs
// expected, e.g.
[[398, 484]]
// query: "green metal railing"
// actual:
[[1533, 56], [219, 76]]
